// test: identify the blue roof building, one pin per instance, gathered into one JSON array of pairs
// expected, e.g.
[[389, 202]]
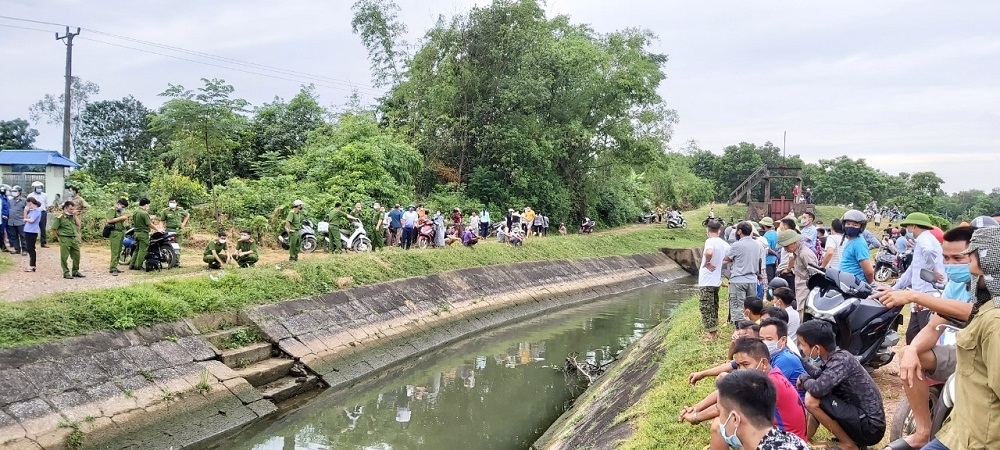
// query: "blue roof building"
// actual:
[[23, 167]]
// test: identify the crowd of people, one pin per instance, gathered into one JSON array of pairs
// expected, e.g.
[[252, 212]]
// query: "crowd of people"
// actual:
[[877, 214], [788, 354]]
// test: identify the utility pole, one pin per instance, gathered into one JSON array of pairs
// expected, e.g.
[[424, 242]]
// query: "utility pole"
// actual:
[[784, 141], [69, 82]]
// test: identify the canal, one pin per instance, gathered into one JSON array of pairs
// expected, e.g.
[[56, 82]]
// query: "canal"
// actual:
[[498, 391]]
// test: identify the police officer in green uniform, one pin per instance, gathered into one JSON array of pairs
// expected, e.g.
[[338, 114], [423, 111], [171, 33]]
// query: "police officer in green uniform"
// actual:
[[142, 224], [67, 227], [338, 220], [375, 233], [117, 218], [246, 250], [293, 225], [215, 252], [174, 219]]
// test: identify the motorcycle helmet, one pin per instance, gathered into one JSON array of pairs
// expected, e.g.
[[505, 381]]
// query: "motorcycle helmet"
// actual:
[[16, 188], [37, 184], [853, 215], [984, 222], [4, 188], [777, 282]]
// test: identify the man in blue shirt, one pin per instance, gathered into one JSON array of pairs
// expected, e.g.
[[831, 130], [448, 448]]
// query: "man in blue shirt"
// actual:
[[771, 235], [395, 225], [774, 333], [856, 259]]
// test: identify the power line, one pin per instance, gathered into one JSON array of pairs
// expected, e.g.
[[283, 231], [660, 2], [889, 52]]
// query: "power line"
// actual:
[[25, 28], [351, 86], [220, 66]]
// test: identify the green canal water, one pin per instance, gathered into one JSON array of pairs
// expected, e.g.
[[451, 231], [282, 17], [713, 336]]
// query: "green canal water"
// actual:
[[498, 391]]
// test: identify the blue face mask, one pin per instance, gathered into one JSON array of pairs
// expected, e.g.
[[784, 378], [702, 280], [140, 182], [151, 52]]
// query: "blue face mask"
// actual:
[[852, 231], [816, 360], [958, 273], [732, 440]]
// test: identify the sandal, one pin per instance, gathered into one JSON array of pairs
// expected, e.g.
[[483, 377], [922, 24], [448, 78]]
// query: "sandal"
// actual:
[[30, 269]]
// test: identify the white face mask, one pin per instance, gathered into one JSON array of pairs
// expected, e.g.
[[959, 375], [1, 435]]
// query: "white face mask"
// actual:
[[244, 237], [222, 240], [172, 204]]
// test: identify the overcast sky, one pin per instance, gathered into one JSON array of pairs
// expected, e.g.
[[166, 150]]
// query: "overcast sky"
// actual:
[[908, 85]]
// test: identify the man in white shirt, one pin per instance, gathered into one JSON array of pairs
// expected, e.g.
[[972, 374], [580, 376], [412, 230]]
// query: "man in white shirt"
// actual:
[[710, 278], [927, 254]]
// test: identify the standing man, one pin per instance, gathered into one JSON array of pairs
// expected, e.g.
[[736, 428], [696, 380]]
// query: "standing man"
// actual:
[[807, 227], [395, 225], [338, 220], [771, 261], [293, 224], [74, 196], [67, 227], [927, 254], [246, 250], [710, 278], [4, 216], [174, 219], [877, 219], [117, 218], [409, 226], [791, 241], [15, 224], [744, 254], [484, 222], [38, 193], [142, 225], [377, 218]]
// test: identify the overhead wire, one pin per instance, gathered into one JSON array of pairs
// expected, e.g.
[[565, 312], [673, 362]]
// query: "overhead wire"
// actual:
[[283, 74]]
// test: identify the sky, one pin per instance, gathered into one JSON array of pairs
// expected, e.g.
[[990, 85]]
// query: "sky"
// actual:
[[908, 85]]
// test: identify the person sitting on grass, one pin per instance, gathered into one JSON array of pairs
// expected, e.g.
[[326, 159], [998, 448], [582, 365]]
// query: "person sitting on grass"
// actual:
[[246, 250], [839, 392], [562, 229], [744, 328], [753, 307], [784, 298], [469, 239], [775, 312], [515, 238], [788, 414], [454, 235], [748, 400], [774, 333], [215, 252]]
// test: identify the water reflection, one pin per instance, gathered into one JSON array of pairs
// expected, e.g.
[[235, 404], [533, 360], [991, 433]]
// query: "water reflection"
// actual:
[[500, 390]]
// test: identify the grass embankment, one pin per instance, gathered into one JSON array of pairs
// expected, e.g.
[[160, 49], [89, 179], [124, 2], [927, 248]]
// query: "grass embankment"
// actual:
[[146, 303]]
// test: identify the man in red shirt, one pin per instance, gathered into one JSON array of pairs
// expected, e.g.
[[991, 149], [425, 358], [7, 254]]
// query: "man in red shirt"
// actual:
[[789, 411]]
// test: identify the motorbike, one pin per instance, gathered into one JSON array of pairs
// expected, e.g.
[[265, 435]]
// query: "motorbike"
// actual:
[[425, 235], [646, 218], [677, 221], [163, 244], [587, 226], [886, 265], [863, 326], [356, 240], [308, 233]]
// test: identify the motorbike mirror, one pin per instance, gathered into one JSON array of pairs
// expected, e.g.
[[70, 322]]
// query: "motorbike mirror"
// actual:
[[928, 275]]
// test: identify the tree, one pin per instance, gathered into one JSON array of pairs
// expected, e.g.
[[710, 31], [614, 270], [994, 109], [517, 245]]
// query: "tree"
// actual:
[[115, 142], [16, 134], [51, 107], [377, 22], [203, 129], [279, 130]]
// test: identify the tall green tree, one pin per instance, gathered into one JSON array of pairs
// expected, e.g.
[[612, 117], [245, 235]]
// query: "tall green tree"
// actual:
[[204, 129], [279, 129], [17, 134], [377, 22], [114, 141]]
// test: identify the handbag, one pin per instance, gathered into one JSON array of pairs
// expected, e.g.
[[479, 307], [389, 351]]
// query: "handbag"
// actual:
[[106, 232]]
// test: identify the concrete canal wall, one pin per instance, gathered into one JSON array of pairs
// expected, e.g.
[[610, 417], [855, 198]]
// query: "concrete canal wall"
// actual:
[[172, 386]]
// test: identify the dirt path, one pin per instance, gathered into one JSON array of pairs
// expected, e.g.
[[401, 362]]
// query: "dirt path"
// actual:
[[18, 285]]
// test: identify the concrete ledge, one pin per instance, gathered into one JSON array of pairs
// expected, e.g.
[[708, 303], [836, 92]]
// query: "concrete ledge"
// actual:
[[344, 336]]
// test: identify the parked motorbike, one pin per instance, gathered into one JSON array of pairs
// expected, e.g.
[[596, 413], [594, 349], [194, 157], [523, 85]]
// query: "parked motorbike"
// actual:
[[886, 265], [308, 233], [357, 239], [863, 326], [677, 221], [163, 244], [425, 235], [587, 226], [647, 218]]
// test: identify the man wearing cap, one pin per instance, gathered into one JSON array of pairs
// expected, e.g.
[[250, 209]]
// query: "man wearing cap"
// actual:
[[174, 219], [38, 193], [802, 257], [293, 224], [927, 254], [771, 261], [972, 423], [246, 250]]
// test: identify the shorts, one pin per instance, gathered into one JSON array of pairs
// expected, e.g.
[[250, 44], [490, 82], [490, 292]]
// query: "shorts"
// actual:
[[947, 360], [862, 429]]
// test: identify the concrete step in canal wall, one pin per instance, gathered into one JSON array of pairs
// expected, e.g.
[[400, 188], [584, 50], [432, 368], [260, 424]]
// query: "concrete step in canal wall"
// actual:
[[184, 383]]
